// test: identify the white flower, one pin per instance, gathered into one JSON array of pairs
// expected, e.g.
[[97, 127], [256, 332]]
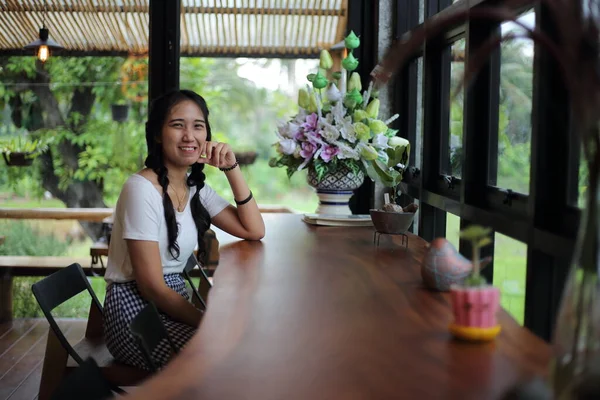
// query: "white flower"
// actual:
[[347, 152], [333, 94], [287, 146], [398, 141], [287, 130], [330, 133], [338, 111], [348, 132], [380, 141]]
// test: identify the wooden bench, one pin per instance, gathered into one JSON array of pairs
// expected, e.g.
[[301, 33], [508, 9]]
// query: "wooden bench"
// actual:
[[32, 266], [11, 266]]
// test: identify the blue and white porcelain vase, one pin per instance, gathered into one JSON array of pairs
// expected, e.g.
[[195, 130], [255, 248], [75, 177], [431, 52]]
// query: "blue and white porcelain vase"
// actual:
[[335, 189]]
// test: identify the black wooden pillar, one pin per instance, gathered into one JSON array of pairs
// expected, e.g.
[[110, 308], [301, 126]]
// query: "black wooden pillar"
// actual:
[[163, 47], [549, 171], [406, 86], [363, 20], [480, 130], [436, 111]]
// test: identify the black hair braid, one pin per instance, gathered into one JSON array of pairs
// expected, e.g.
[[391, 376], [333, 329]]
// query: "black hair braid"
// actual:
[[172, 226], [199, 213]]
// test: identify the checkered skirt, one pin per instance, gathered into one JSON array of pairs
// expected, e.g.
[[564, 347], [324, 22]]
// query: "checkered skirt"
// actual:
[[122, 303]]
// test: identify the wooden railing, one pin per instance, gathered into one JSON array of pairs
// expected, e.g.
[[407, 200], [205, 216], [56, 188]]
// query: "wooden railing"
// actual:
[[91, 214], [44, 265]]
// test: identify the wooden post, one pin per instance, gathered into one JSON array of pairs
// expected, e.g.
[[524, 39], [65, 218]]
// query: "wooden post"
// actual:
[[5, 295]]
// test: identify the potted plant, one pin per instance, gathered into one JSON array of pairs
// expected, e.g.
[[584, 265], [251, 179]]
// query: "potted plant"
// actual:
[[337, 134], [475, 302], [391, 218], [119, 111], [21, 151]]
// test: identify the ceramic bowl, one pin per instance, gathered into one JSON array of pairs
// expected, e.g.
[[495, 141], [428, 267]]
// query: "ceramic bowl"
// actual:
[[391, 222]]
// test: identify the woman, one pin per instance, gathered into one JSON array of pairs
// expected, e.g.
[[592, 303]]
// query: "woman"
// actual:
[[162, 214]]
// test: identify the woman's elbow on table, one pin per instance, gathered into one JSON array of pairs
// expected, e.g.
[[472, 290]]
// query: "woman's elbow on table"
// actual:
[[254, 234]]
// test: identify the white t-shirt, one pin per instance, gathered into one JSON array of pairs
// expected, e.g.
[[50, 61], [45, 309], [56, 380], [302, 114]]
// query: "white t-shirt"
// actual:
[[139, 215]]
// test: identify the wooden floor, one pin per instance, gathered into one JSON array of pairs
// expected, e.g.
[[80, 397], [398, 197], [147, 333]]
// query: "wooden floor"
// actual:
[[22, 346]]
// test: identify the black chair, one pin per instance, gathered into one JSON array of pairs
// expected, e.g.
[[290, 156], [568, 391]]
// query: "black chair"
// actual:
[[148, 330], [61, 357], [84, 382], [204, 286]]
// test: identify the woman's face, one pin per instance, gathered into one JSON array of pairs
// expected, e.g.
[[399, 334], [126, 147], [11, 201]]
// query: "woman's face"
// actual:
[[183, 135]]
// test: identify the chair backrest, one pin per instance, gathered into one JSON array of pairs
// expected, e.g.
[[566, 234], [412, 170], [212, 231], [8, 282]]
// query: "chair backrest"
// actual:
[[85, 382], [148, 330], [56, 289], [204, 286]]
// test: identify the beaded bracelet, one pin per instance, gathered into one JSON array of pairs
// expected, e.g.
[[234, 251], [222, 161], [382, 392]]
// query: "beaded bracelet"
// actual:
[[229, 168], [247, 199]]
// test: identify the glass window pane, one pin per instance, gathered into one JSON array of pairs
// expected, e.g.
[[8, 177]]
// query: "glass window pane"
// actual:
[[514, 122], [453, 229], [510, 266], [454, 164]]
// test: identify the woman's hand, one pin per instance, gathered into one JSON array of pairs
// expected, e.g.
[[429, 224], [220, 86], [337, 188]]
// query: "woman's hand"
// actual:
[[217, 154]]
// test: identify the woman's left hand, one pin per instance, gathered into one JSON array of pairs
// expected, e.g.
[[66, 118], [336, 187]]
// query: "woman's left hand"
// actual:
[[217, 154]]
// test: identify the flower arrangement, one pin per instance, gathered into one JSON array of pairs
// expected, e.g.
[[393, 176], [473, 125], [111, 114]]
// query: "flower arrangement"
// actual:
[[338, 125]]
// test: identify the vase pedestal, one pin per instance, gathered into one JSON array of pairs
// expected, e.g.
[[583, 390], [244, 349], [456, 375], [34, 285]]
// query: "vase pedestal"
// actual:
[[334, 202]]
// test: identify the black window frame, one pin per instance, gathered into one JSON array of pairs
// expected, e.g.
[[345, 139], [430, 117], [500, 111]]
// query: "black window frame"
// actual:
[[546, 220]]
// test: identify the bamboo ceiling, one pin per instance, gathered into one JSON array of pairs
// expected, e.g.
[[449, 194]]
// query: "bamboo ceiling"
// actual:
[[215, 28]]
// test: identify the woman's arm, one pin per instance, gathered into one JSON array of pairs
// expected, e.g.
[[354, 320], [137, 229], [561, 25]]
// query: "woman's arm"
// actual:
[[244, 221], [148, 272]]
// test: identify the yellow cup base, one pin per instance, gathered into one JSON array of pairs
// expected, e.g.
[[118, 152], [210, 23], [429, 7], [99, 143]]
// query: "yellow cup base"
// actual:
[[474, 334]]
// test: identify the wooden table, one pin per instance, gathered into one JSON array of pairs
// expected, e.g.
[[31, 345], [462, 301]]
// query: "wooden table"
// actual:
[[321, 313]]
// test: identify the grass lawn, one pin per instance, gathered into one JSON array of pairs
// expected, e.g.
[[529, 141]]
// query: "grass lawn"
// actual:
[[510, 262]]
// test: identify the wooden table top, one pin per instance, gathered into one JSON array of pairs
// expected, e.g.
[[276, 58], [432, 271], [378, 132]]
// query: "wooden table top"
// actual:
[[321, 313]]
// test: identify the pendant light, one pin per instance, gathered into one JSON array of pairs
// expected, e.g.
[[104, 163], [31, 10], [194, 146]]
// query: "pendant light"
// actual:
[[44, 44]]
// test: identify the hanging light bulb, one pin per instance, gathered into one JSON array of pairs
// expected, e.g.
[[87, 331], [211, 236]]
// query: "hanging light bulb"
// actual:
[[43, 53], [43, 45]]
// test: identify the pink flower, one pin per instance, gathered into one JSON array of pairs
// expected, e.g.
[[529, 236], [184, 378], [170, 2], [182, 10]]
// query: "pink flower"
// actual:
[[313, 137], [310, 124], [329, 152], [308, 149]]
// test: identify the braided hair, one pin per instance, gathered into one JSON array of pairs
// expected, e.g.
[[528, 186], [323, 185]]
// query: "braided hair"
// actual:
[[159, 111]]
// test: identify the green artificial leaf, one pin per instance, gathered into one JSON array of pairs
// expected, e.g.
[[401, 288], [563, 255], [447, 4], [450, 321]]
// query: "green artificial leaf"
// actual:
[[475, 281], [474, 233], [484, 242], [352, 165], [391, 132], [321, 169]]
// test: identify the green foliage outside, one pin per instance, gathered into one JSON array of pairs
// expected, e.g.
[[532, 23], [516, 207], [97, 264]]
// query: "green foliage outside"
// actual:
[[25, 241], [108, 152]]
